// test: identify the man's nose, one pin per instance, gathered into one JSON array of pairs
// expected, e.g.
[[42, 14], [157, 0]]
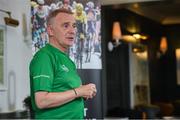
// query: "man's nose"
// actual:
[[72, 30]]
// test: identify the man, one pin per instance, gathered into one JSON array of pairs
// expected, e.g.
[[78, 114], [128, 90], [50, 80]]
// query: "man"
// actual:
[[56, 89]]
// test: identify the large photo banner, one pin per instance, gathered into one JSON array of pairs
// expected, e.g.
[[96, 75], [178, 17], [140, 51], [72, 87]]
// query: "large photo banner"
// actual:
[[86, 51]]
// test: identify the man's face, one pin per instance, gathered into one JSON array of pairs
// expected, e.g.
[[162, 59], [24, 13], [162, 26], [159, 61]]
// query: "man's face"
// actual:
[[64, 29]]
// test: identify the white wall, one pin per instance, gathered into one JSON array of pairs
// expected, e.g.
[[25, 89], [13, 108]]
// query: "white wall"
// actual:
[[18, 55]]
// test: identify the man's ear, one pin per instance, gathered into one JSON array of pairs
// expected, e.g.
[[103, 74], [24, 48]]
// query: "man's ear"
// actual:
[[50, 30]]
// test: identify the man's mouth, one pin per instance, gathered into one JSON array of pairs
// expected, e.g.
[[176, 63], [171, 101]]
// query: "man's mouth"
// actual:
[[70, 38]]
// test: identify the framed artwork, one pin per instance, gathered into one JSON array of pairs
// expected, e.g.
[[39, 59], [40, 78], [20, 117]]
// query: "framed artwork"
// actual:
[[178, 65]]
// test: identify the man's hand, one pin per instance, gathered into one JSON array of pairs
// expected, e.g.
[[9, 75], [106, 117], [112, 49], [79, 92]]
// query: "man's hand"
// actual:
[[87, 91]]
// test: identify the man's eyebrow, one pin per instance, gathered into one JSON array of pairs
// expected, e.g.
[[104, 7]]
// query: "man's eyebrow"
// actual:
[[65, 23], [68, 23]]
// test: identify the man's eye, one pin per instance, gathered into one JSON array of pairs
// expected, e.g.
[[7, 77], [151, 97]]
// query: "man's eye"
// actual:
[[66, 25], [74, 26]]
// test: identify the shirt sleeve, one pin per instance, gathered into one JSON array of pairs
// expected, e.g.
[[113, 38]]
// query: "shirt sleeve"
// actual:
[[41, 72]]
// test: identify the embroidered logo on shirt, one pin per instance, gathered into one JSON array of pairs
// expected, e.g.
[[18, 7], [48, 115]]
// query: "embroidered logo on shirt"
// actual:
[[65, 68]]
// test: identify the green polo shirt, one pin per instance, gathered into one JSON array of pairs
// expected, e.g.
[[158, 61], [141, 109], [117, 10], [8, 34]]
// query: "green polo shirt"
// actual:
[[53, 71]]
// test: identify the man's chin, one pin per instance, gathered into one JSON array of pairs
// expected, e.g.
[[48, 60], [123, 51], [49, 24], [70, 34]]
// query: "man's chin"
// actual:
[[70, 44]]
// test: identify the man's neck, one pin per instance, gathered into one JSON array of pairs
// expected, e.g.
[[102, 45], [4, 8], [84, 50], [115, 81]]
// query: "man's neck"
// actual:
[[57, 45]]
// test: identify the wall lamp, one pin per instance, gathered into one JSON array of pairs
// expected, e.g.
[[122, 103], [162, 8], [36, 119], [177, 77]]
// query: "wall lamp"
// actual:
[[163, 45], [118, 38], [9, 20]]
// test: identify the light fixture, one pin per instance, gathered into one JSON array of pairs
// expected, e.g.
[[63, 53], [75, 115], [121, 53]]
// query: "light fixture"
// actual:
[[140, 36], [118, 38], [9, 20], [163, 45], [178, 53], [116, 32]]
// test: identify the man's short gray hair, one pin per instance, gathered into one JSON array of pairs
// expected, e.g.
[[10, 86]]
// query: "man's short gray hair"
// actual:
[[54, 13]]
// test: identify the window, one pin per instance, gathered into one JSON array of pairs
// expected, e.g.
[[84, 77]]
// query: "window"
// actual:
[[2, 55], [140, 87]]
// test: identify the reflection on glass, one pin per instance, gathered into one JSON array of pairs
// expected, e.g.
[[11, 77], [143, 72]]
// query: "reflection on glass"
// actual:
[[1, 42], [1, 70], [1, 56]]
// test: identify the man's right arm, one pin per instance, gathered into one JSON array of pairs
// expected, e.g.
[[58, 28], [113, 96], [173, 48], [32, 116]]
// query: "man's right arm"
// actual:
[[45, 99]]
